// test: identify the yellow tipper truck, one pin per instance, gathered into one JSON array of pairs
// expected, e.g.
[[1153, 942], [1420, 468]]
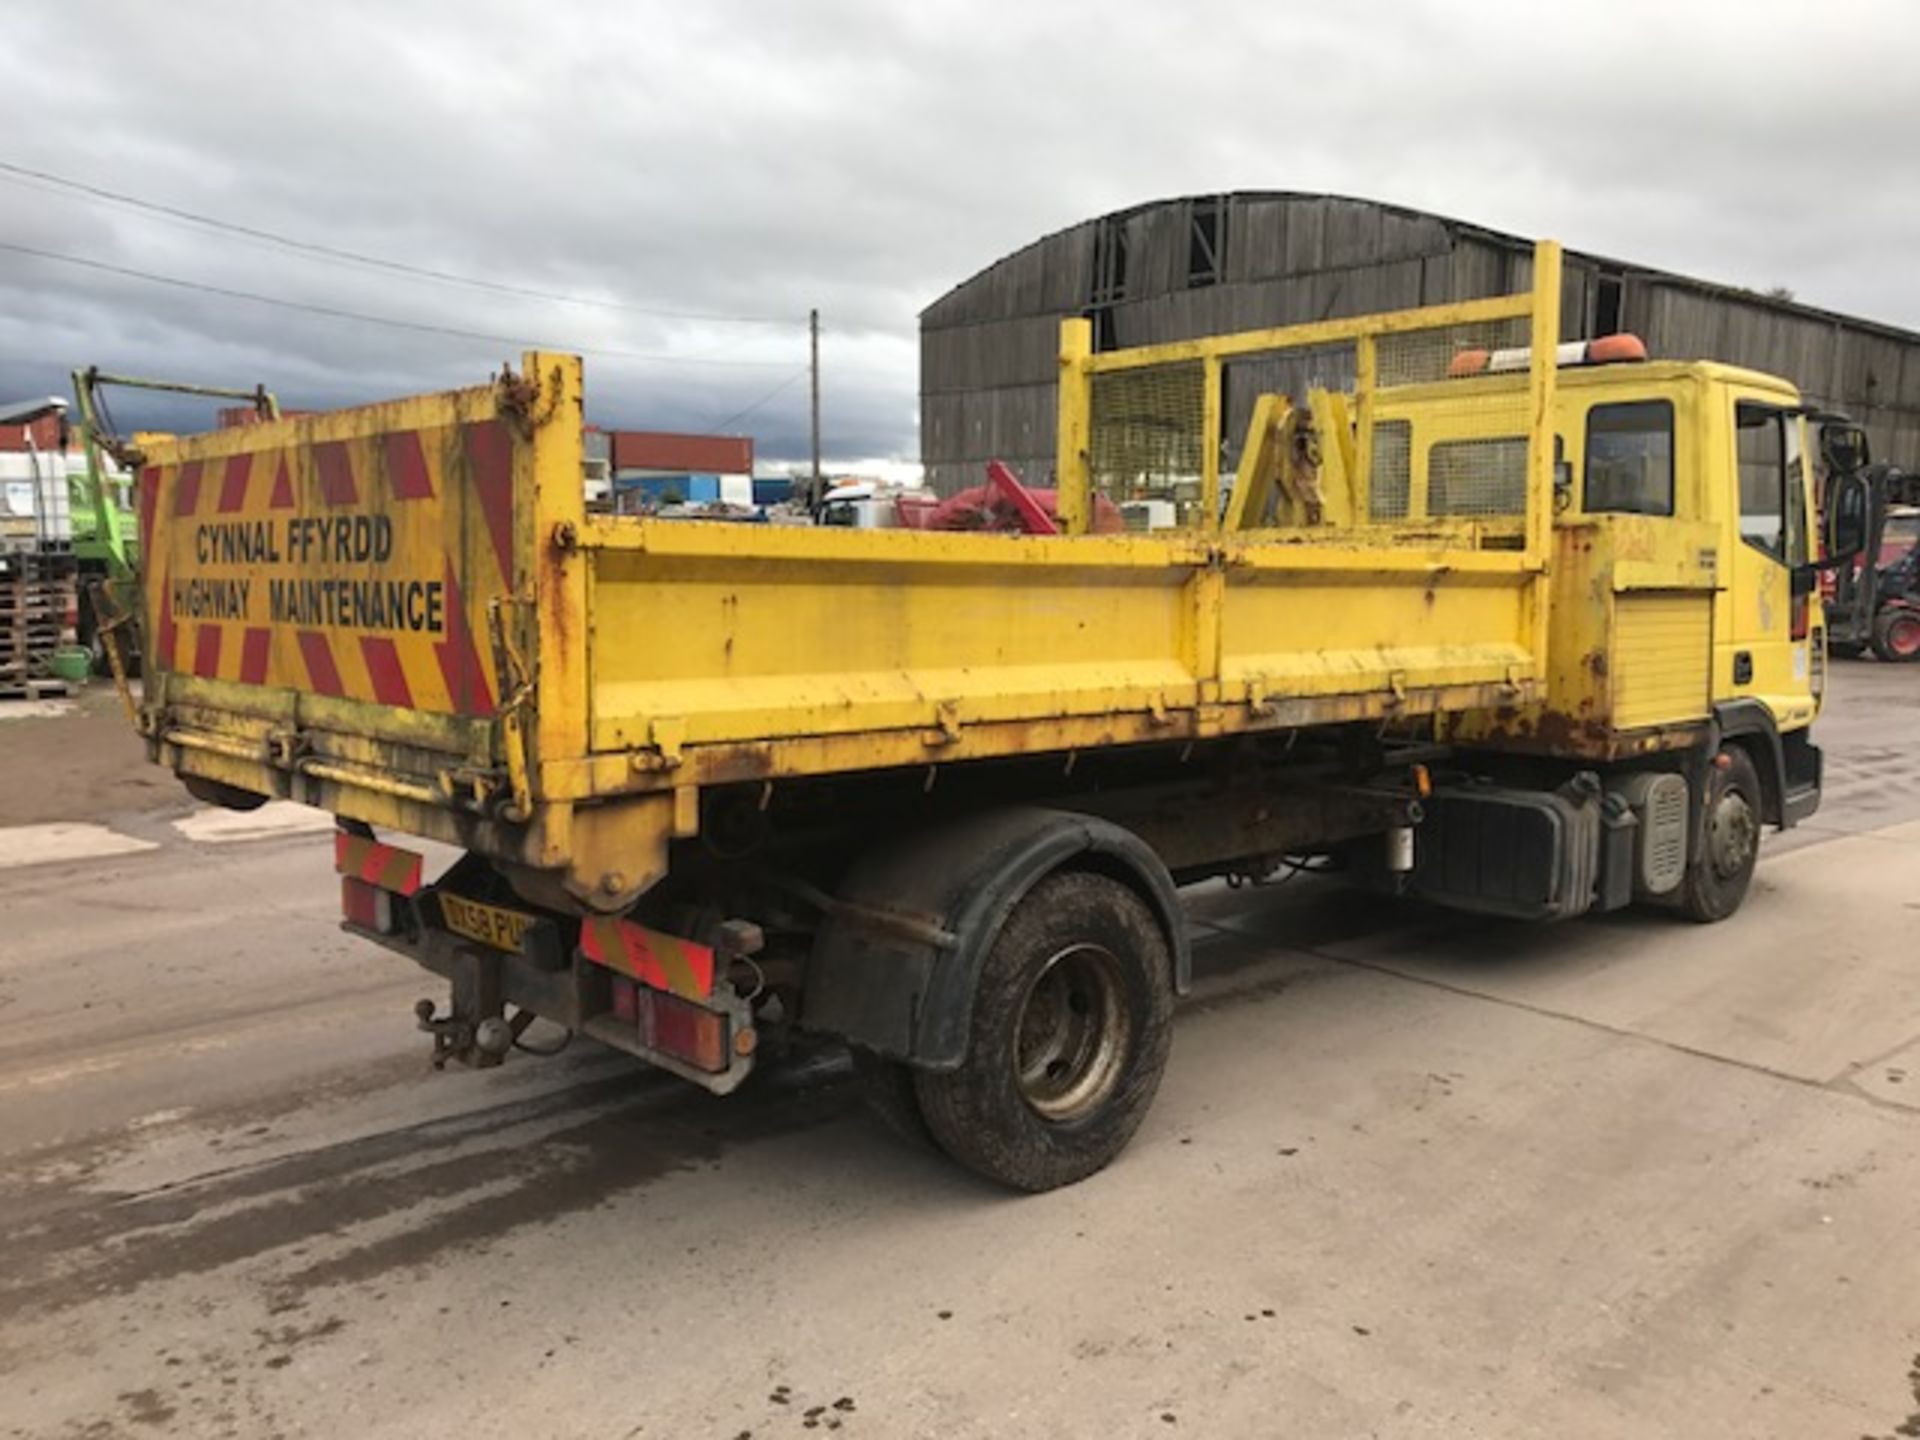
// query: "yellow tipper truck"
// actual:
[[1455, 611]]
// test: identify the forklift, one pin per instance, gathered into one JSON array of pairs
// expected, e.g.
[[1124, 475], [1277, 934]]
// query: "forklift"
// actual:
[[1872, 603]]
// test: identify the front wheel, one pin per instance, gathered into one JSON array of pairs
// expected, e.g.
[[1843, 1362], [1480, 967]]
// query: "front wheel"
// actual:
[[1072, 1021], [1718, 876]]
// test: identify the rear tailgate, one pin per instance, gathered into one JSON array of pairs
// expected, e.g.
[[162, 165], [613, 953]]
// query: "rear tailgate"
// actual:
[[337, 607]]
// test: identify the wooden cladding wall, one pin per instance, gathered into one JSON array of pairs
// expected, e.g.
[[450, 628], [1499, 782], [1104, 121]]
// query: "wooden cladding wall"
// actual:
[[987, 347]]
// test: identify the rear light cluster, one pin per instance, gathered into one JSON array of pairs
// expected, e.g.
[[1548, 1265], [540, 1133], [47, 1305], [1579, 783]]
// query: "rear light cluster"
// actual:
[[367, 906], [671, 1025], [361, 862]]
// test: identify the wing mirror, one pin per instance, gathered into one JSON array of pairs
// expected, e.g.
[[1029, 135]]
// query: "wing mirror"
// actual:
[[1849, 505]]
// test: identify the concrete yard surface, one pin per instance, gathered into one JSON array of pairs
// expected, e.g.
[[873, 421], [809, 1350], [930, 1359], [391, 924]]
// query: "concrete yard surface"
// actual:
[[1410, 1174]]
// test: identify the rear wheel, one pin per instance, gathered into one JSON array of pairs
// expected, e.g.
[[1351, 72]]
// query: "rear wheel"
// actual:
[[1072, 1021], [1718, 876], [1896, 633]]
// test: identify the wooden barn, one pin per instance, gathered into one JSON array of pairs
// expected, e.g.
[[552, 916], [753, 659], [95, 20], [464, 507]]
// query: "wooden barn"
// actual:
[[1211, 263]]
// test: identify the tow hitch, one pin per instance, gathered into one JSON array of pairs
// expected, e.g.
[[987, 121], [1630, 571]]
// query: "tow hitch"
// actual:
[[477, 1043]]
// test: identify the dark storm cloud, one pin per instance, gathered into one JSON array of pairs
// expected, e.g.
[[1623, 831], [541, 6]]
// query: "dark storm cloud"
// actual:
[[755, 160]]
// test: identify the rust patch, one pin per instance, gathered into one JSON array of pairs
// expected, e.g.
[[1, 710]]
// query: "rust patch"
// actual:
[[720, 764], [1510, 720], [1560, 731], [1548, 731], [1582, 735]]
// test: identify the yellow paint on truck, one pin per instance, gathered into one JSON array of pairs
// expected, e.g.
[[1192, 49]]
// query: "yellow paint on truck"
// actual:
[[1683, 501], [403, 613]]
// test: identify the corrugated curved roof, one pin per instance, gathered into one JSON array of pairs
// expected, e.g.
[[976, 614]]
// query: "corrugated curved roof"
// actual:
[[1454, 226]]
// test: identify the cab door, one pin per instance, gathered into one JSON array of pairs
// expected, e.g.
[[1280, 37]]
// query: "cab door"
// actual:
[[1763, 651]]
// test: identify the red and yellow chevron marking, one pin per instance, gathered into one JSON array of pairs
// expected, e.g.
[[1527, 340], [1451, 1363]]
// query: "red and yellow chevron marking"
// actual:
[[343, 555], [654, 958], [385, 866]]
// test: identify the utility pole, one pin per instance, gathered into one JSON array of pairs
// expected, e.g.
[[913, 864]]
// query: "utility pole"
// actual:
[[813, 372]]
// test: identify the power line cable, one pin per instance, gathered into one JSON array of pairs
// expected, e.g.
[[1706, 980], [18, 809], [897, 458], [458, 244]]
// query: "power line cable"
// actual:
[[355, 257], [719, 426], [336, 313]]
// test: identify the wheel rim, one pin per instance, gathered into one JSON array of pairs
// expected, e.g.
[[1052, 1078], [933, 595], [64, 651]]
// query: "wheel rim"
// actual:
[[1072, 1035], [1732, 835], [1903, 637]]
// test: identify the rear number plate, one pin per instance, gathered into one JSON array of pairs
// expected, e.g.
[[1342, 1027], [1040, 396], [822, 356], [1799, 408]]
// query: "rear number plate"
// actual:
[[489, 924]]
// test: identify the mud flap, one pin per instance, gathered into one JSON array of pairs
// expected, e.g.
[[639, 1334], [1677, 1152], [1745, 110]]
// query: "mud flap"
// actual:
[[904, 991]]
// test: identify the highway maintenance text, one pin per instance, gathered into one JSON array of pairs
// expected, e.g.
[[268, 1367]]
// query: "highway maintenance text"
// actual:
[[304, 600]]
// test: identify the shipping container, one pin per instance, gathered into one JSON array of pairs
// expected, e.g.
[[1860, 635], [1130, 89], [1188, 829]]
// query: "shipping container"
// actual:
[[670, 454]]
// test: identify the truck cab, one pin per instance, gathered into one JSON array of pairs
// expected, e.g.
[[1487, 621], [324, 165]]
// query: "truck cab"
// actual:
[[858, 505], [1684, 633], [1681, 546]]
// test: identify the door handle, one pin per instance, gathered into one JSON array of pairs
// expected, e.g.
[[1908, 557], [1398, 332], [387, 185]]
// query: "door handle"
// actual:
[[1743, 667]]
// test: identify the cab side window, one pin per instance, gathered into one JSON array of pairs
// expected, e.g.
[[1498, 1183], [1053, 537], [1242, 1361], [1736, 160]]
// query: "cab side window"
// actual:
[[1629, 468], [1772, 504]]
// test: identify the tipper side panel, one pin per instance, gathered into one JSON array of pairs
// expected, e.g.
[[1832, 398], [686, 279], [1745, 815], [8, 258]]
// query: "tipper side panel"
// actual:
[[1203, 579]]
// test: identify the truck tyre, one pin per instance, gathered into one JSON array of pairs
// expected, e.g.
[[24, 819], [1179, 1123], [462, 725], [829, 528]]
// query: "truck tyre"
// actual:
[[1846, 649], [1896, 634], [1722, 867], [1072, 1020], [886, 1088]]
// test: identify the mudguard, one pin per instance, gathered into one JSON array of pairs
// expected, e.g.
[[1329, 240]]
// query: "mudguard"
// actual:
[[906, 991], [1751, 723]]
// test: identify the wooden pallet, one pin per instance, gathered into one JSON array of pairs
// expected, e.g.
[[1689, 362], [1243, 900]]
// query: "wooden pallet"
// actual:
[[34, 607], [34, 595], [42, 688], [20, 664], [32, 600], [38, 570], [37, 595], [29, 637]]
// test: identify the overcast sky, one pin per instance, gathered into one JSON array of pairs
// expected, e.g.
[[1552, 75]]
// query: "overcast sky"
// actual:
[[719, 159]]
